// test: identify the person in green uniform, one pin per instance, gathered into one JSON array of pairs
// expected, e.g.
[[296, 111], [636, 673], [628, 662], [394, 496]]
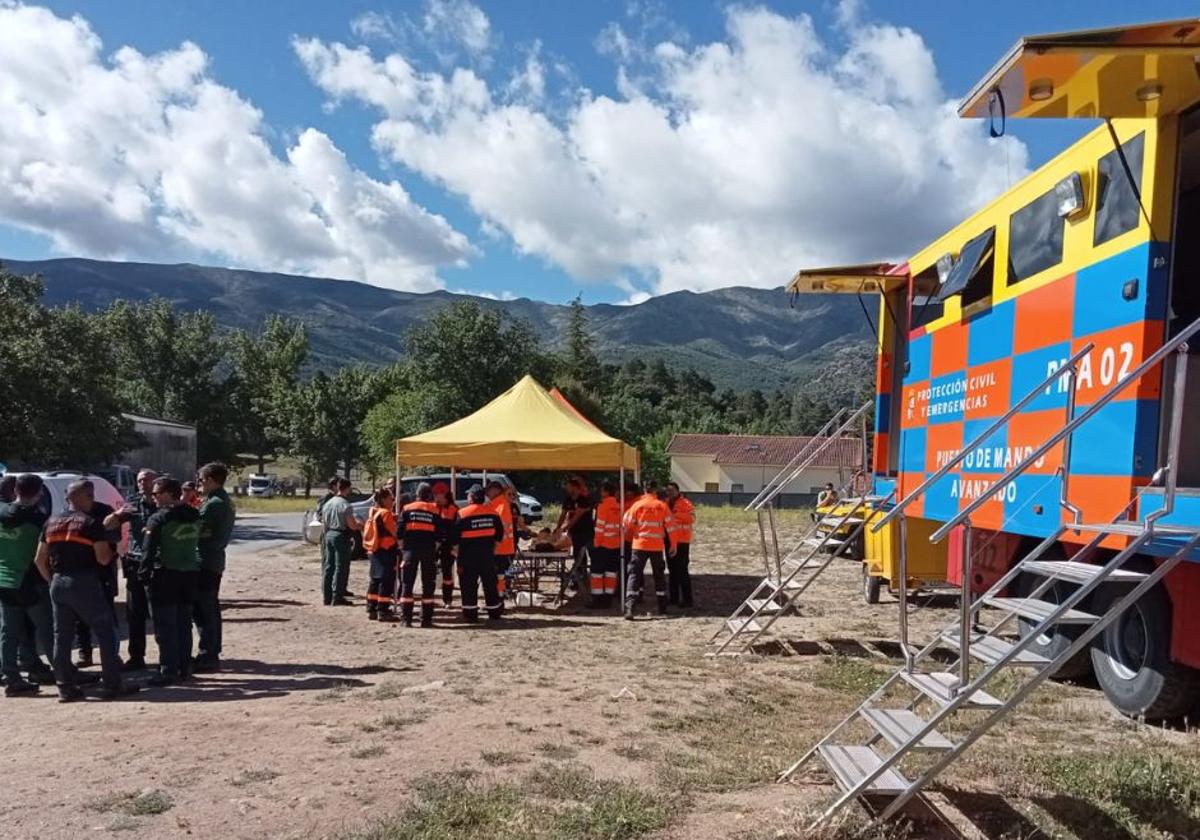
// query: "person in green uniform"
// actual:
[[216, 527], [136, 512], [24, 596], [339, 520], [171, 566]]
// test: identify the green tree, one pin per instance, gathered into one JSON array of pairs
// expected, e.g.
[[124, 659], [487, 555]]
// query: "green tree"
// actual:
[[263, 392], [57, 388], [329, 412], [465, 356], [166, 365], [580, 362]]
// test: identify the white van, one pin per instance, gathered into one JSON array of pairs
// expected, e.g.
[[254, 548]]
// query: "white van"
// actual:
[[262, 486], [54, 495]]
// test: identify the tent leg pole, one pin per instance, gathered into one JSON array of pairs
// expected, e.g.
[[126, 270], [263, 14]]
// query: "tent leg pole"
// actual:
[[396, 497]]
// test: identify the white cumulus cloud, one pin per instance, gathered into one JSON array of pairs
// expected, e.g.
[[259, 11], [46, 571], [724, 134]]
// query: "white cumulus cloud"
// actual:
[[731, 162], [146, 156]]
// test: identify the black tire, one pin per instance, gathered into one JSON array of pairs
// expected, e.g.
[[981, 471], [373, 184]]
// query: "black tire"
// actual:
[[1058, 638], [1132, 658], [872, 585]]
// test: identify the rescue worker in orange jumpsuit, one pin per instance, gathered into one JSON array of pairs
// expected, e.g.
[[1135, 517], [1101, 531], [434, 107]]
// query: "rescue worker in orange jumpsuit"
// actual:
[[648, 519], [419, 530], [380, 541], [679, 577], [477, 532], [506, 548], [606, 547], [449, 513]]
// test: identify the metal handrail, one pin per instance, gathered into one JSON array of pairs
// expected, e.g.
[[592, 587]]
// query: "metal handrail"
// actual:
[[799, 456], [968, 448], [764, 497], [1177, 343]]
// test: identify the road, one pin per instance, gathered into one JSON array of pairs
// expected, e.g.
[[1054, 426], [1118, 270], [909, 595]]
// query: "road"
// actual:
[[255, 532]]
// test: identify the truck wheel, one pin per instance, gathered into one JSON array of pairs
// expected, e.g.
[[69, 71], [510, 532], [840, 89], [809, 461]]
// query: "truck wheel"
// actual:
[[1057, 639], [1132, 658], [871, 585]]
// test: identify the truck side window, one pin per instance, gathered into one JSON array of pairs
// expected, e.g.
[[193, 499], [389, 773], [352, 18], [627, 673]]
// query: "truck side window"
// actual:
[[1035, 238], [1116, 199]]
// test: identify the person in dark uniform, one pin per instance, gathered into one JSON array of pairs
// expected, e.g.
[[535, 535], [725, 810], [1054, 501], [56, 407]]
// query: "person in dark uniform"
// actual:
[[216, 527], [100, 512], [170, 568], [444, 499], [24, 600], [136, 512], [29, 642], [477, 532], [578, 518], [73, 551], [420, 528]]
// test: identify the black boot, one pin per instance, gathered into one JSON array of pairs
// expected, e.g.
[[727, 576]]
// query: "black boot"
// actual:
[[386, 615], [406, 613], [470, 616], [426, 615], [662, 604], [372, 613], [447, 596]]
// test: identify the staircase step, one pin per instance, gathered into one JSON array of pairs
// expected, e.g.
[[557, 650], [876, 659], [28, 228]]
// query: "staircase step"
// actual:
[[1132, 529], [1078, 572], [763, 605], [830, 542], [791, 585], [1038, 610], [940, 687], [838, 522], [898, 726], [989, 649], [850, 764], [737, 625]]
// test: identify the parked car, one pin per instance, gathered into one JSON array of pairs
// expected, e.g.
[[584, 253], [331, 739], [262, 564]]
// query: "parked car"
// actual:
[[54, 495], [120, 476], [531, 508]]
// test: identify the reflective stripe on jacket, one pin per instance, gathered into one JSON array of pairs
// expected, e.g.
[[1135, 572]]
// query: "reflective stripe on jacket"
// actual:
[[647, 522], [420, 525], [684, 516], [608, 523]]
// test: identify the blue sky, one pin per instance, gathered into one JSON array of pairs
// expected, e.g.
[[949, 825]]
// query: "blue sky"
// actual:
[[490, 242]]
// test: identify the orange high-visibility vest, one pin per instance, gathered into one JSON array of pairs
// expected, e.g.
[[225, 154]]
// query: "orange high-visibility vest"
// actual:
[[379, 531], [648, 521], [503, 508], [608, 524], [685, 516]]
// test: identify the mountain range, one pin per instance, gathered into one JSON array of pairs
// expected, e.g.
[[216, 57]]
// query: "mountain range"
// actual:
[[740, 337]]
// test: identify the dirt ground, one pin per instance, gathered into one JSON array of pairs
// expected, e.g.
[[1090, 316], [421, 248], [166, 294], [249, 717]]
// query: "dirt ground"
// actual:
[[325, 725]]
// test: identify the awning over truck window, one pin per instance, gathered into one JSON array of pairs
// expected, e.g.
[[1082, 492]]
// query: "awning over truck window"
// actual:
[[974, 255], [1135, 71], [869, 278]]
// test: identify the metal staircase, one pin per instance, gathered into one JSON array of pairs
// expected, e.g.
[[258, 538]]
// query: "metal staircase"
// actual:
[[789, 574], [923, 718]]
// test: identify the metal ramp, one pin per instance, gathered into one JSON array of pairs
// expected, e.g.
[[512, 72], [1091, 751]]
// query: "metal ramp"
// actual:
[[924, 717], [788, 575]]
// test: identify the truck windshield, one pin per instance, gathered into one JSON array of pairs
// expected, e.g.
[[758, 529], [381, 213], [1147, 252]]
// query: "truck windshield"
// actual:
[[260, 482]]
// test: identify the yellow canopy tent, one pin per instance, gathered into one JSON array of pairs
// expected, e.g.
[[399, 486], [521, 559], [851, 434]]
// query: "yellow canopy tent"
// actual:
[[522, 429]]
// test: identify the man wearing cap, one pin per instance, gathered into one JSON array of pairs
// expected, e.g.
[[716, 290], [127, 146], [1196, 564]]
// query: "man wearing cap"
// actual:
[[339, 520], [72, 555], [420, 528], [449, 513], [506, 548], [171, 570], [136, 512], [477, 532]]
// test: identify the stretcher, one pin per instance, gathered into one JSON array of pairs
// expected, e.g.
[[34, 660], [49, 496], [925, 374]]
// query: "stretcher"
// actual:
[[531, 570]]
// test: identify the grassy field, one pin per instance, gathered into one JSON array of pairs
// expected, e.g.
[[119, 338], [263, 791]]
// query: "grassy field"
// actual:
[[279, 504]]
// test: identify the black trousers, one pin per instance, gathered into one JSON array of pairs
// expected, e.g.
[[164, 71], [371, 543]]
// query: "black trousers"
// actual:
[[635, 576], [446, 562], [172, 603], [208, 613], [108, 580], [679, 578], [82, 598], [137, 610], [419, 560], [473, 571], [381, 590]]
